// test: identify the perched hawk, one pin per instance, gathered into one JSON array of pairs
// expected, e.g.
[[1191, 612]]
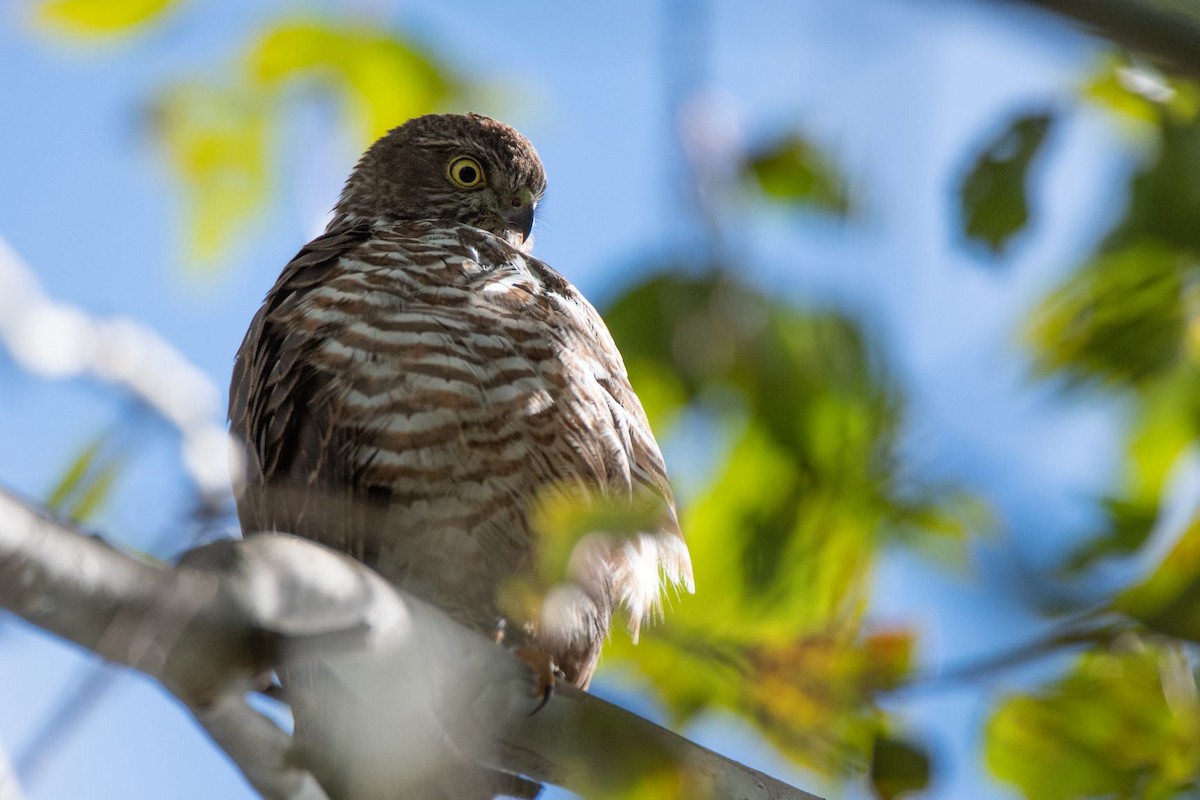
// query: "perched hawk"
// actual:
[[415, 381]]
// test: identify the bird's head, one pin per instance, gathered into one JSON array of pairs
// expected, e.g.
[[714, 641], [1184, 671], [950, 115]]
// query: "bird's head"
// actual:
[[467, 168]]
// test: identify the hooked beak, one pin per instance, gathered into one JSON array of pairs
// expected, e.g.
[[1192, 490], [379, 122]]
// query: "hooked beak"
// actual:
[[518, 212]]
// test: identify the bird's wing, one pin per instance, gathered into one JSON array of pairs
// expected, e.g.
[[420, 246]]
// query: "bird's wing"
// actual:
[[282, 413]]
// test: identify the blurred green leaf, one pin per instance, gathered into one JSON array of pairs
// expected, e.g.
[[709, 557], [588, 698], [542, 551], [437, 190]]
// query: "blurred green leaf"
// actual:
[[1119, 319], [1169, 599], [1112, 727], [99, 17], [995, 193], [792, 170], [813, 698], [219, 136], [68, 484], [384, 79], [216, 140], [1133, 92], [898, 768], [1127, 527], [87, 482], [1164, 197], [1165, 425], [784, 536], [571, 525]]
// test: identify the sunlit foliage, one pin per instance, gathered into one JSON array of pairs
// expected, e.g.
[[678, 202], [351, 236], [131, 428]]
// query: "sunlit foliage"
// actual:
[[806, 485], [221, 135], [784, 536], [1124, 722], [99, 17]]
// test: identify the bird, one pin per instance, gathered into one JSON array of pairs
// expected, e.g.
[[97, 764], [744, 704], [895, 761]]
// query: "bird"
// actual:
[[416, 382]]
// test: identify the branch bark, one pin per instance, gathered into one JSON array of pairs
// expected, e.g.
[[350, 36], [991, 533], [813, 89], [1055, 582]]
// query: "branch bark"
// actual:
[[396, 688]]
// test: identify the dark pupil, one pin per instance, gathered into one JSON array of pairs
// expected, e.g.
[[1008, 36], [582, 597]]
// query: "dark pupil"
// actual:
[[467, 174]]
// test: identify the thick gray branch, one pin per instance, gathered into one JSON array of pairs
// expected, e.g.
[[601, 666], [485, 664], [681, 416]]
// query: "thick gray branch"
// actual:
[[389, 690]]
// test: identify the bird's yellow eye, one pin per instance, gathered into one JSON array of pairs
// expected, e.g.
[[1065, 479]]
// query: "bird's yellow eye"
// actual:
[[465, 172]]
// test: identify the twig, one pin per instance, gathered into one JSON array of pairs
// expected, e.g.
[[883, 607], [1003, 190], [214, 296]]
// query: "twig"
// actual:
[[1086, 628]]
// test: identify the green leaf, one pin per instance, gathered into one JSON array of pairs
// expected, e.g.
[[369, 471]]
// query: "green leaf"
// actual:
[[1166, 423], [383, 79], [784, 536], [1164, 197], [898, 768], [97, 492], [793, 171], [1118, 320], [216, 140], [100, 17], [995, 194], [219, 137], [1122, 723], [1169, 599], [569, 525], [1133, 92], [73, 477], [1127, 528], [87, 482]]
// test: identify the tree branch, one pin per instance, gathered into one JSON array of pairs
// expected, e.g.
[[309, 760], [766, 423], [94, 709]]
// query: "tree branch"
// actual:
[[1165, 30], [390, 691]]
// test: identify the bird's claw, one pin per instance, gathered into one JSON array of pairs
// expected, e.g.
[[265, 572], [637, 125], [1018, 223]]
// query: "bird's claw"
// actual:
[[544, 673]]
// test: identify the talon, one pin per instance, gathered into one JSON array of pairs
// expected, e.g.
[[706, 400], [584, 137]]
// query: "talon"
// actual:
[[544, 673]]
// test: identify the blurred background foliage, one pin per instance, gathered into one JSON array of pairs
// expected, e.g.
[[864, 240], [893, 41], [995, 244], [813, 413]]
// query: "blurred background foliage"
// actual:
[[800, 416]]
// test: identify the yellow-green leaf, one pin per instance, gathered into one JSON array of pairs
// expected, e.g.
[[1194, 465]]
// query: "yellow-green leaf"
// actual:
[[216, 141], [784, 535], [87, 482], [1169, 599], [573, 527], [383, 79], [1120, 319], [1109, 728], [793, 170], [100, 17], [1135, 94], [72, 478]]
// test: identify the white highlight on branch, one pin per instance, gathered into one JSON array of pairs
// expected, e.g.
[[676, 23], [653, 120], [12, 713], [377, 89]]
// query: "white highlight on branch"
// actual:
[[58, 341]]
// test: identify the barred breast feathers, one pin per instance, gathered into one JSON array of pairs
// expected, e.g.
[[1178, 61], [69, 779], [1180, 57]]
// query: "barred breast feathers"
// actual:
[[641, 568], [415, 286], [644, 567]]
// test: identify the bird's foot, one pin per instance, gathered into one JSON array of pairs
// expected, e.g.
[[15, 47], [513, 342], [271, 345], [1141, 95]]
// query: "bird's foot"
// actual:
[[544, 672]]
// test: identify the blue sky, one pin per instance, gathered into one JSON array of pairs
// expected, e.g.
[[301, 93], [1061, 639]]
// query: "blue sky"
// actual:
[[898, 90]]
